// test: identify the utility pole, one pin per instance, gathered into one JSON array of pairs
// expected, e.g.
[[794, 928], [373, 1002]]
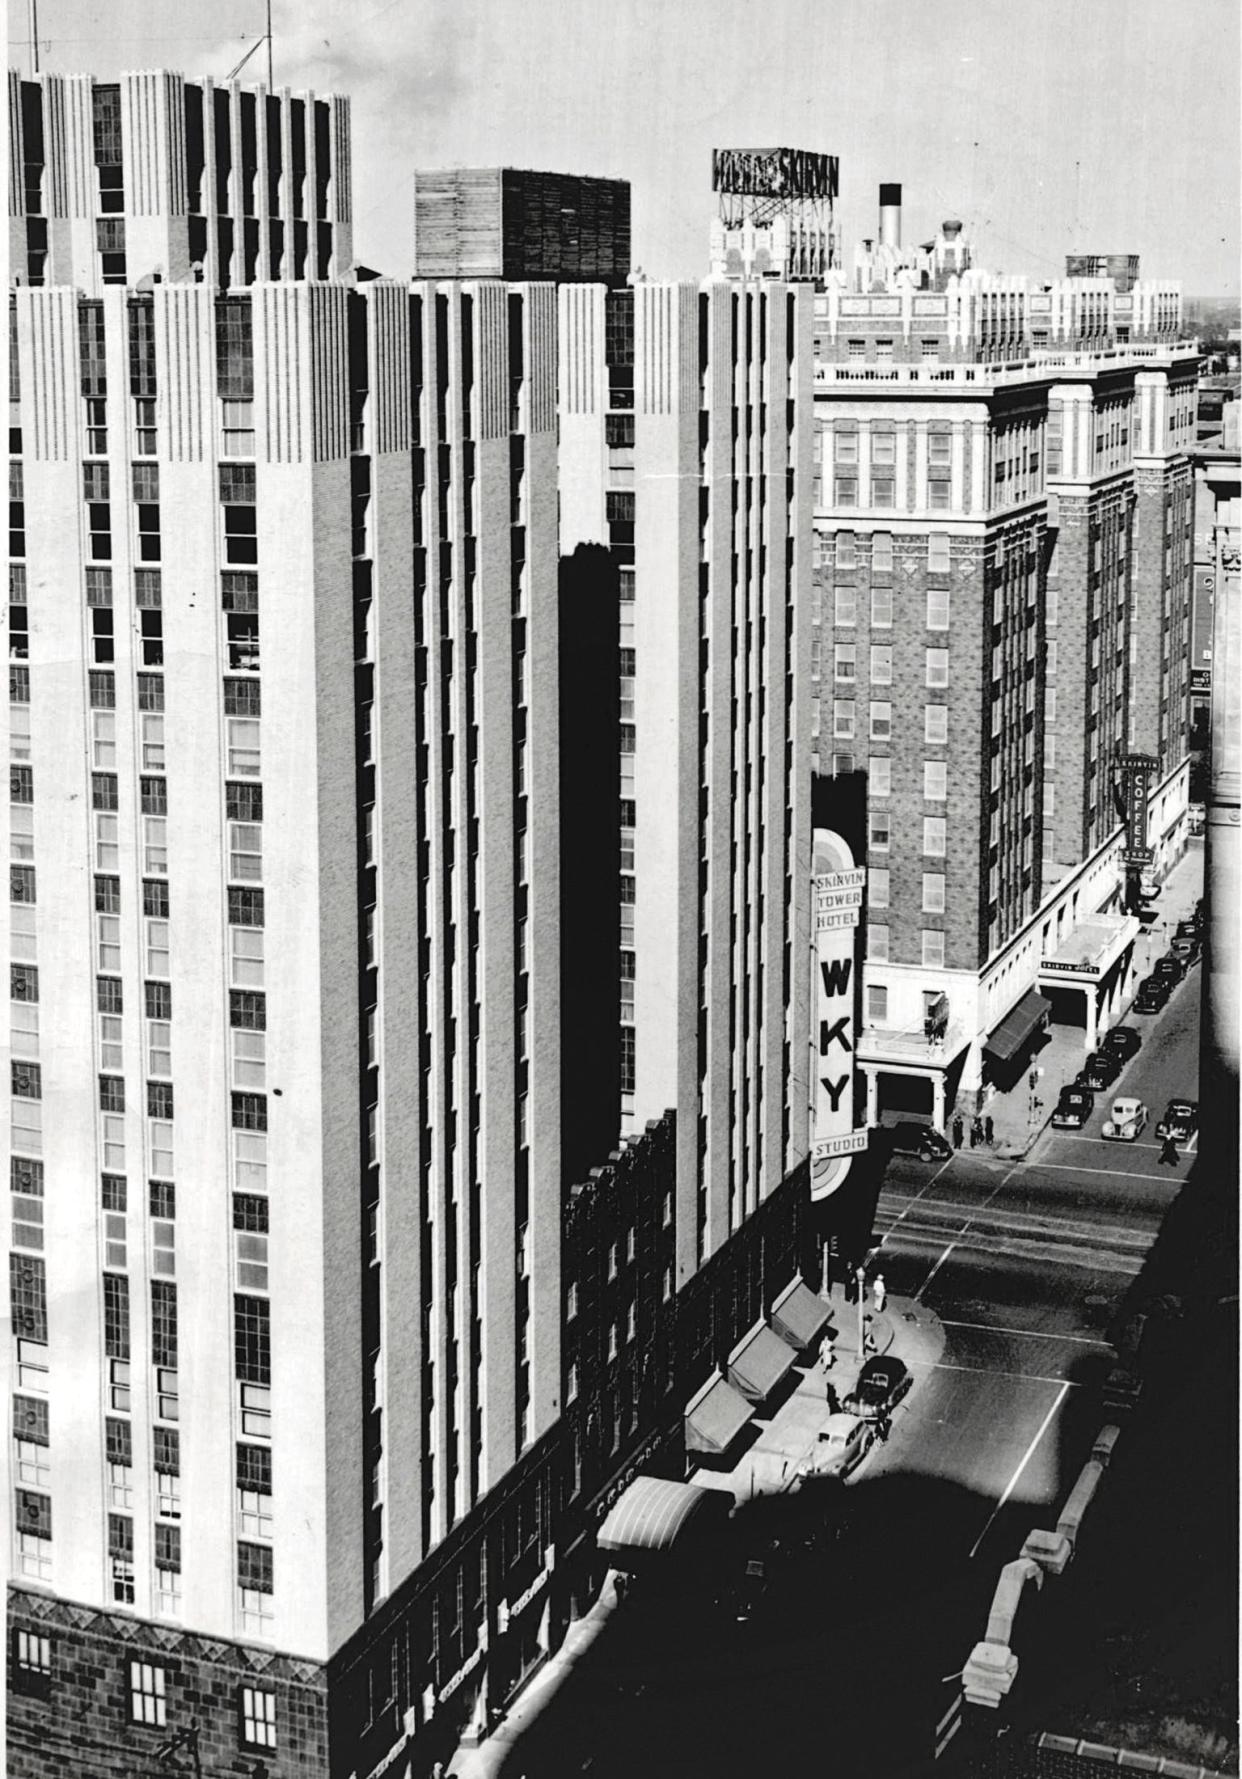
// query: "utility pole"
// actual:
[[860, 1279]]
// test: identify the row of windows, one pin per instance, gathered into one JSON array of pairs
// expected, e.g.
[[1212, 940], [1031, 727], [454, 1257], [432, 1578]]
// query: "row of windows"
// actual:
[[32, 1668], [845, 664], [846, 555]]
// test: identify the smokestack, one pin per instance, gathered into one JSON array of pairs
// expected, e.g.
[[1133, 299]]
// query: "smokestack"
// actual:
[[890, 216]]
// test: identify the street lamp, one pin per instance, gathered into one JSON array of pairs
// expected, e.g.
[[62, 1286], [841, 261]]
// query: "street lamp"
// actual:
[[184, 1741], [860, 1279]]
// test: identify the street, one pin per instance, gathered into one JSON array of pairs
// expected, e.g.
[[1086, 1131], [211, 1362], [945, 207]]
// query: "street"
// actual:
[[850, 1659]]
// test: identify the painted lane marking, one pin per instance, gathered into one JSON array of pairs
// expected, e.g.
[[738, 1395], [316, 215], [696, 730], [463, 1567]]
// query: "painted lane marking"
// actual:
[[935, 1269], [1064, 1167], [1079, 1340], [1062, 1393], [1024, 1377], [918, 1195]]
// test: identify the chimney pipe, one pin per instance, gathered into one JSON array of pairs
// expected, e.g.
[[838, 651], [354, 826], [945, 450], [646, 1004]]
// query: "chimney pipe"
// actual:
[[890, 216]]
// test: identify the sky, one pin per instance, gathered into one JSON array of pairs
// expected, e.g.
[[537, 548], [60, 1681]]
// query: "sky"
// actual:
[[1049, 127]]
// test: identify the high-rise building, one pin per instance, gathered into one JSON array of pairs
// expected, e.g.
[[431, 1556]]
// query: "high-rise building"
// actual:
[[684, 434], [156, 176], [285, 957], [1001, 638]]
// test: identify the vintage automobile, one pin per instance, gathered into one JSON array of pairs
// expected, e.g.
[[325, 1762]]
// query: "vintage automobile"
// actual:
[[1073, 1109], [1125, 1122], [1180, 1121], [1171, 966], [1100, 1070], [1124, 1040], [843, 1444], [882, 1383], [923, 1140], [1153, 993]]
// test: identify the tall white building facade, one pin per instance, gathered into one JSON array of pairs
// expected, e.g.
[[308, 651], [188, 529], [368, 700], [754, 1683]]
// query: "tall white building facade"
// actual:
[[685, 429]]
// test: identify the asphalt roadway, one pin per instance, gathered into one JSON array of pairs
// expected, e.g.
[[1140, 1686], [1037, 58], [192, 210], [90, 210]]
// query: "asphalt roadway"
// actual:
[[849, 1659]]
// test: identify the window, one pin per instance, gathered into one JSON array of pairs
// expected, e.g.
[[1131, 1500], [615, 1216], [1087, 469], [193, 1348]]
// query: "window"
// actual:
[[846, 551], [933, 947], [121, 1556], [843, 718], [147, 1694], [32, 1660], [881, 721], [877, 943], [154, 841], [937, 667], [245, 907], [881, 608], [843, 661], [104, 790], [936, 723], [933, 892], [240, 600], [937, 608], [878, 886], [877, 1003], [252, 1340], [845, 605], [878, 830], [881, 665], [880, 776], [153, 742], [255, 1586], [938, 552], [237, 499], [935, 780], [243, 744], [934, 836], [258, 1717]]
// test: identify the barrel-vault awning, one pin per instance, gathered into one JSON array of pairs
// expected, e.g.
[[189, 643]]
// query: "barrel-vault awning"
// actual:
[[653, 1514], [759, 1362], [1016, 1027], [798, 1316], [715, 1417]]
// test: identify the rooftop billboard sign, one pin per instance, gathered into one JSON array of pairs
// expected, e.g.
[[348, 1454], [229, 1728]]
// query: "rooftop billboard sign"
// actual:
[[774, 172]]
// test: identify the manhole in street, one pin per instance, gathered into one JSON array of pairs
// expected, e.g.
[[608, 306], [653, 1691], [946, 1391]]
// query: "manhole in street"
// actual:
[[1096, 1301]]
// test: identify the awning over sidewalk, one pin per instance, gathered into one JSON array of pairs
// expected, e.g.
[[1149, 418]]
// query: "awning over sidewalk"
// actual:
[[1017, 1025], [758, 1362], [798, 1316], [715, 1417], [653, 1514]]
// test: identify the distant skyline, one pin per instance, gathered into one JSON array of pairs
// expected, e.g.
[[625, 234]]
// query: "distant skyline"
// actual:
[[1074, 125]]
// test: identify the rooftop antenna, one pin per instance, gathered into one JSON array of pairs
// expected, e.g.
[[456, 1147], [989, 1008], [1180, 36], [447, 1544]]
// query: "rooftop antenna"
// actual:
[[34, 36], [266, 38]]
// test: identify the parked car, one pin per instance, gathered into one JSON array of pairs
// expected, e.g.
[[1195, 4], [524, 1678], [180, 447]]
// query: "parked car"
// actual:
[[922, 1140], [882, 1383], [1148, 887], [1180, 1121], [1170, 966], [1124, 1040], [842, 1445], [1125, 1122], [1100, 1070], [1151, 998], [1073, 1109], [1187, 929], [1185, 949], [1156, 985]]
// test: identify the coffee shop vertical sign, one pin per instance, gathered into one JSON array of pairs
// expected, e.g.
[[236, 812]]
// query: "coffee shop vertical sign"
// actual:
[[838, 908]]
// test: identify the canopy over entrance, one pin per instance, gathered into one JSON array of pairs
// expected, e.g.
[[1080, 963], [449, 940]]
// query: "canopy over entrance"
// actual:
[[1017, 1025], [653, 1515], [715, 1417]]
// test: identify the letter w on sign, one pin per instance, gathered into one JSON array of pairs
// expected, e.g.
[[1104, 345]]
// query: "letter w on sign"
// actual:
[[836, 975]]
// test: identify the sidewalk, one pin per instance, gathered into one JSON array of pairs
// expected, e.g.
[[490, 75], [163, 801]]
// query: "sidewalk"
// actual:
[[1014, 1127], [772, 1462]]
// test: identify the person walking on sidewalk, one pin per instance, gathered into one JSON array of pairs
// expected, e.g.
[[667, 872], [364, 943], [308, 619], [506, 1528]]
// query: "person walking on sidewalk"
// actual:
[[879, 1293], [959, 1131], [989, 1131], [1169, 1152], [976, 1131]]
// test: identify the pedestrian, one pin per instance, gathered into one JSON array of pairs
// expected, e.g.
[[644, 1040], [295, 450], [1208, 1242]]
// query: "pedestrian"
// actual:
[[959, 1131], [976, 1131], [1169, 1152], [834, 1401], [879, 1293], [989, 1130]]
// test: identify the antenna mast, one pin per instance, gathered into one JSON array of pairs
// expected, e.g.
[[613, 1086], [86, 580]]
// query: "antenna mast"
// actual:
[[269, 46], [34, 35]]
